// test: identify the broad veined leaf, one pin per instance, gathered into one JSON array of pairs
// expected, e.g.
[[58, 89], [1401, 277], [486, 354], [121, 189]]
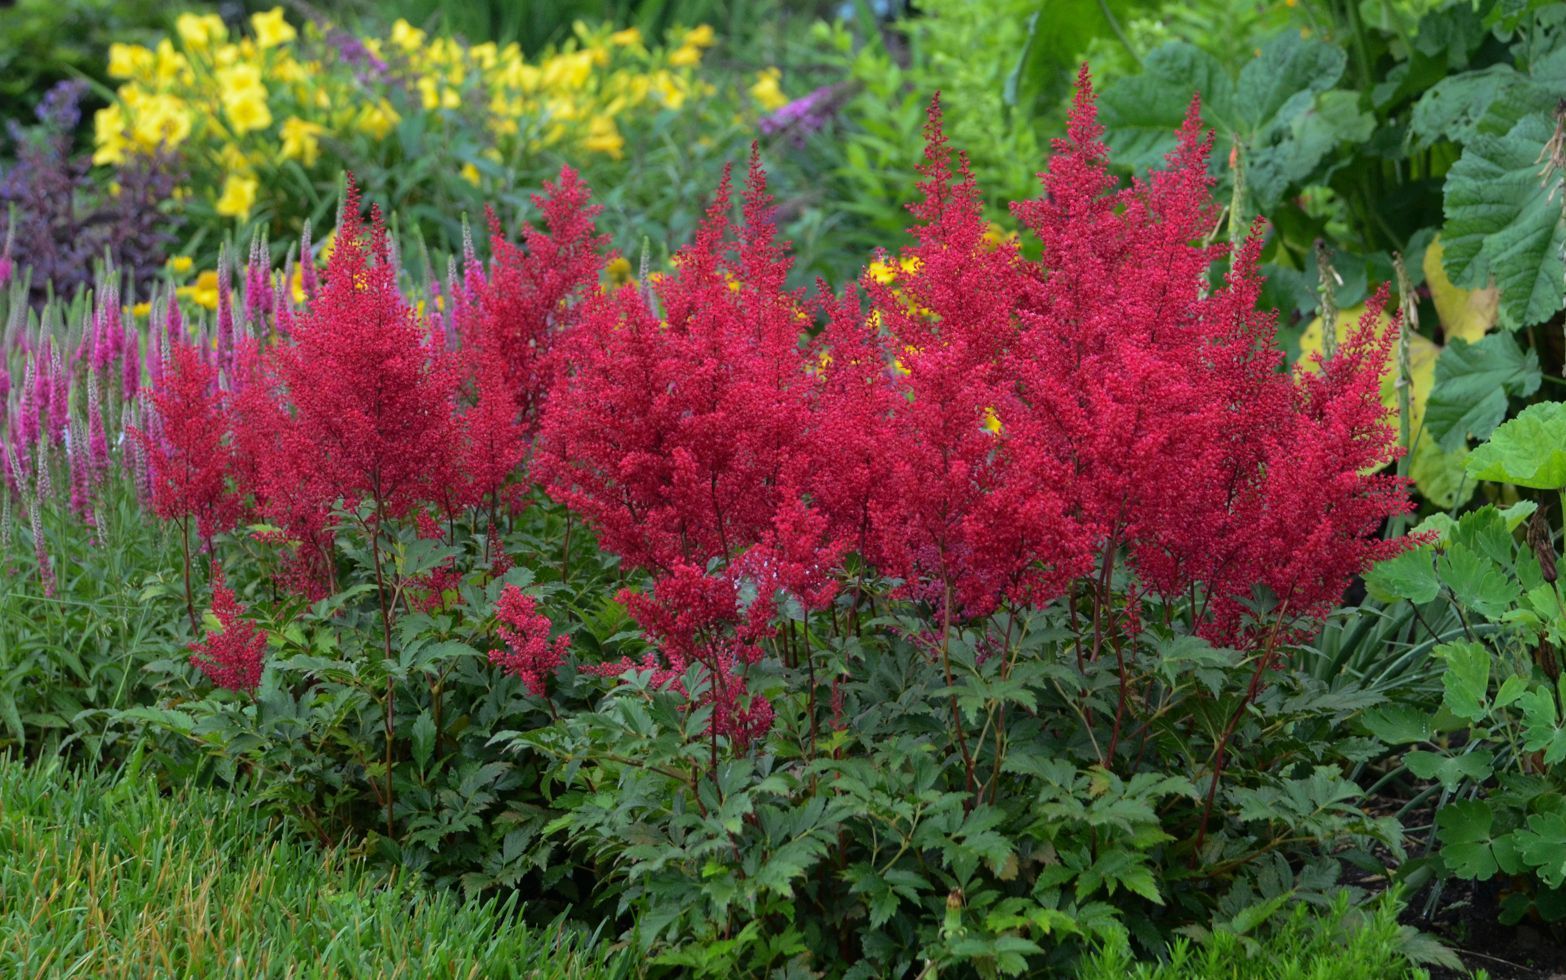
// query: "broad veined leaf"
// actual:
[[1287, 123], [1502, 223], [1527, 451], [1477, 582], [1452, 108], [1473, 386], [1141, 113]]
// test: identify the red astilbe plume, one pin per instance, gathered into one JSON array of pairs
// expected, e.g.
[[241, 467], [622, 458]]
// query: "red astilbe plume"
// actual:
[[529, 655], [693, 618], [1166, 400], [673, 435], [851, 403], [492, 435], [970, 509], [371, 392], [232, 657], [1311, 523], [276, 466], [511, 315], [186, 441]]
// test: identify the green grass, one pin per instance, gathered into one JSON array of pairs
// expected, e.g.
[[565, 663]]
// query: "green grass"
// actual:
[[107, 877], [1338, 943]]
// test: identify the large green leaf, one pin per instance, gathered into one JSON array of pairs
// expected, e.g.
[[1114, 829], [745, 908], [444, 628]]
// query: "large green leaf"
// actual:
[[1527, 451], [1501, 222], [1141, 113], [1472, 385], [1288, 122], [1452, 108]]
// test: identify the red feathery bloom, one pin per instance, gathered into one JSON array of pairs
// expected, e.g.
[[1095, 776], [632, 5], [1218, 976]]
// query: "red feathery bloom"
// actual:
[[968, 507], [185, 438], [529, 654], [672, 435], [371, 393], [276, 466], [232, 657], [694, 618], [493, 440], [1163, 402], [512, 315]]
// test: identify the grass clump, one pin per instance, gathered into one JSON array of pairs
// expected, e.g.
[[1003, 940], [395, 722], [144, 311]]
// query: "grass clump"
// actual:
[[105, 876], [1339, 942]]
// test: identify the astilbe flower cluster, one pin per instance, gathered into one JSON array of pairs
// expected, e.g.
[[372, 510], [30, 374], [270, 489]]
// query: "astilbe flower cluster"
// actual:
[[529, 654], [1187, 447], [680, 418], [508, 316], [679, 428], [963, 504], [232, 656], [185, 437], [371, 393]]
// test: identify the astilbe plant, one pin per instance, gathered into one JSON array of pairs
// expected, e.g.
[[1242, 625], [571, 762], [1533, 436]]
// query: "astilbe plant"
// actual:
[[231, 656], [678, 428], [185, 439], [529, 654], [996, 435], [355, 408]]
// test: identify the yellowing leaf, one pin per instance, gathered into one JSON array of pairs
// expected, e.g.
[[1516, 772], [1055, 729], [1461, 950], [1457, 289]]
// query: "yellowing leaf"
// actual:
[[1465, 313]]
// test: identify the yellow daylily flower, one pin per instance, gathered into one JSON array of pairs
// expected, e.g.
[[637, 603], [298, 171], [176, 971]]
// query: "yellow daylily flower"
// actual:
[[272, 28], [604, 137], [130, 61], [200, 31], [768, 91], [301, 140], [239, 196]]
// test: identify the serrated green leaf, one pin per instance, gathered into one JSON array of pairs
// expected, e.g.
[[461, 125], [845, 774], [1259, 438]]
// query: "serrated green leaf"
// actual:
[[1466, 680], [1473, 383], [1410, 575], [1543, 846], [1464, 831], [1399, 724], [423, 738], [1477, 582], [1452, 771], [1501, 222], [1526, 451]]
